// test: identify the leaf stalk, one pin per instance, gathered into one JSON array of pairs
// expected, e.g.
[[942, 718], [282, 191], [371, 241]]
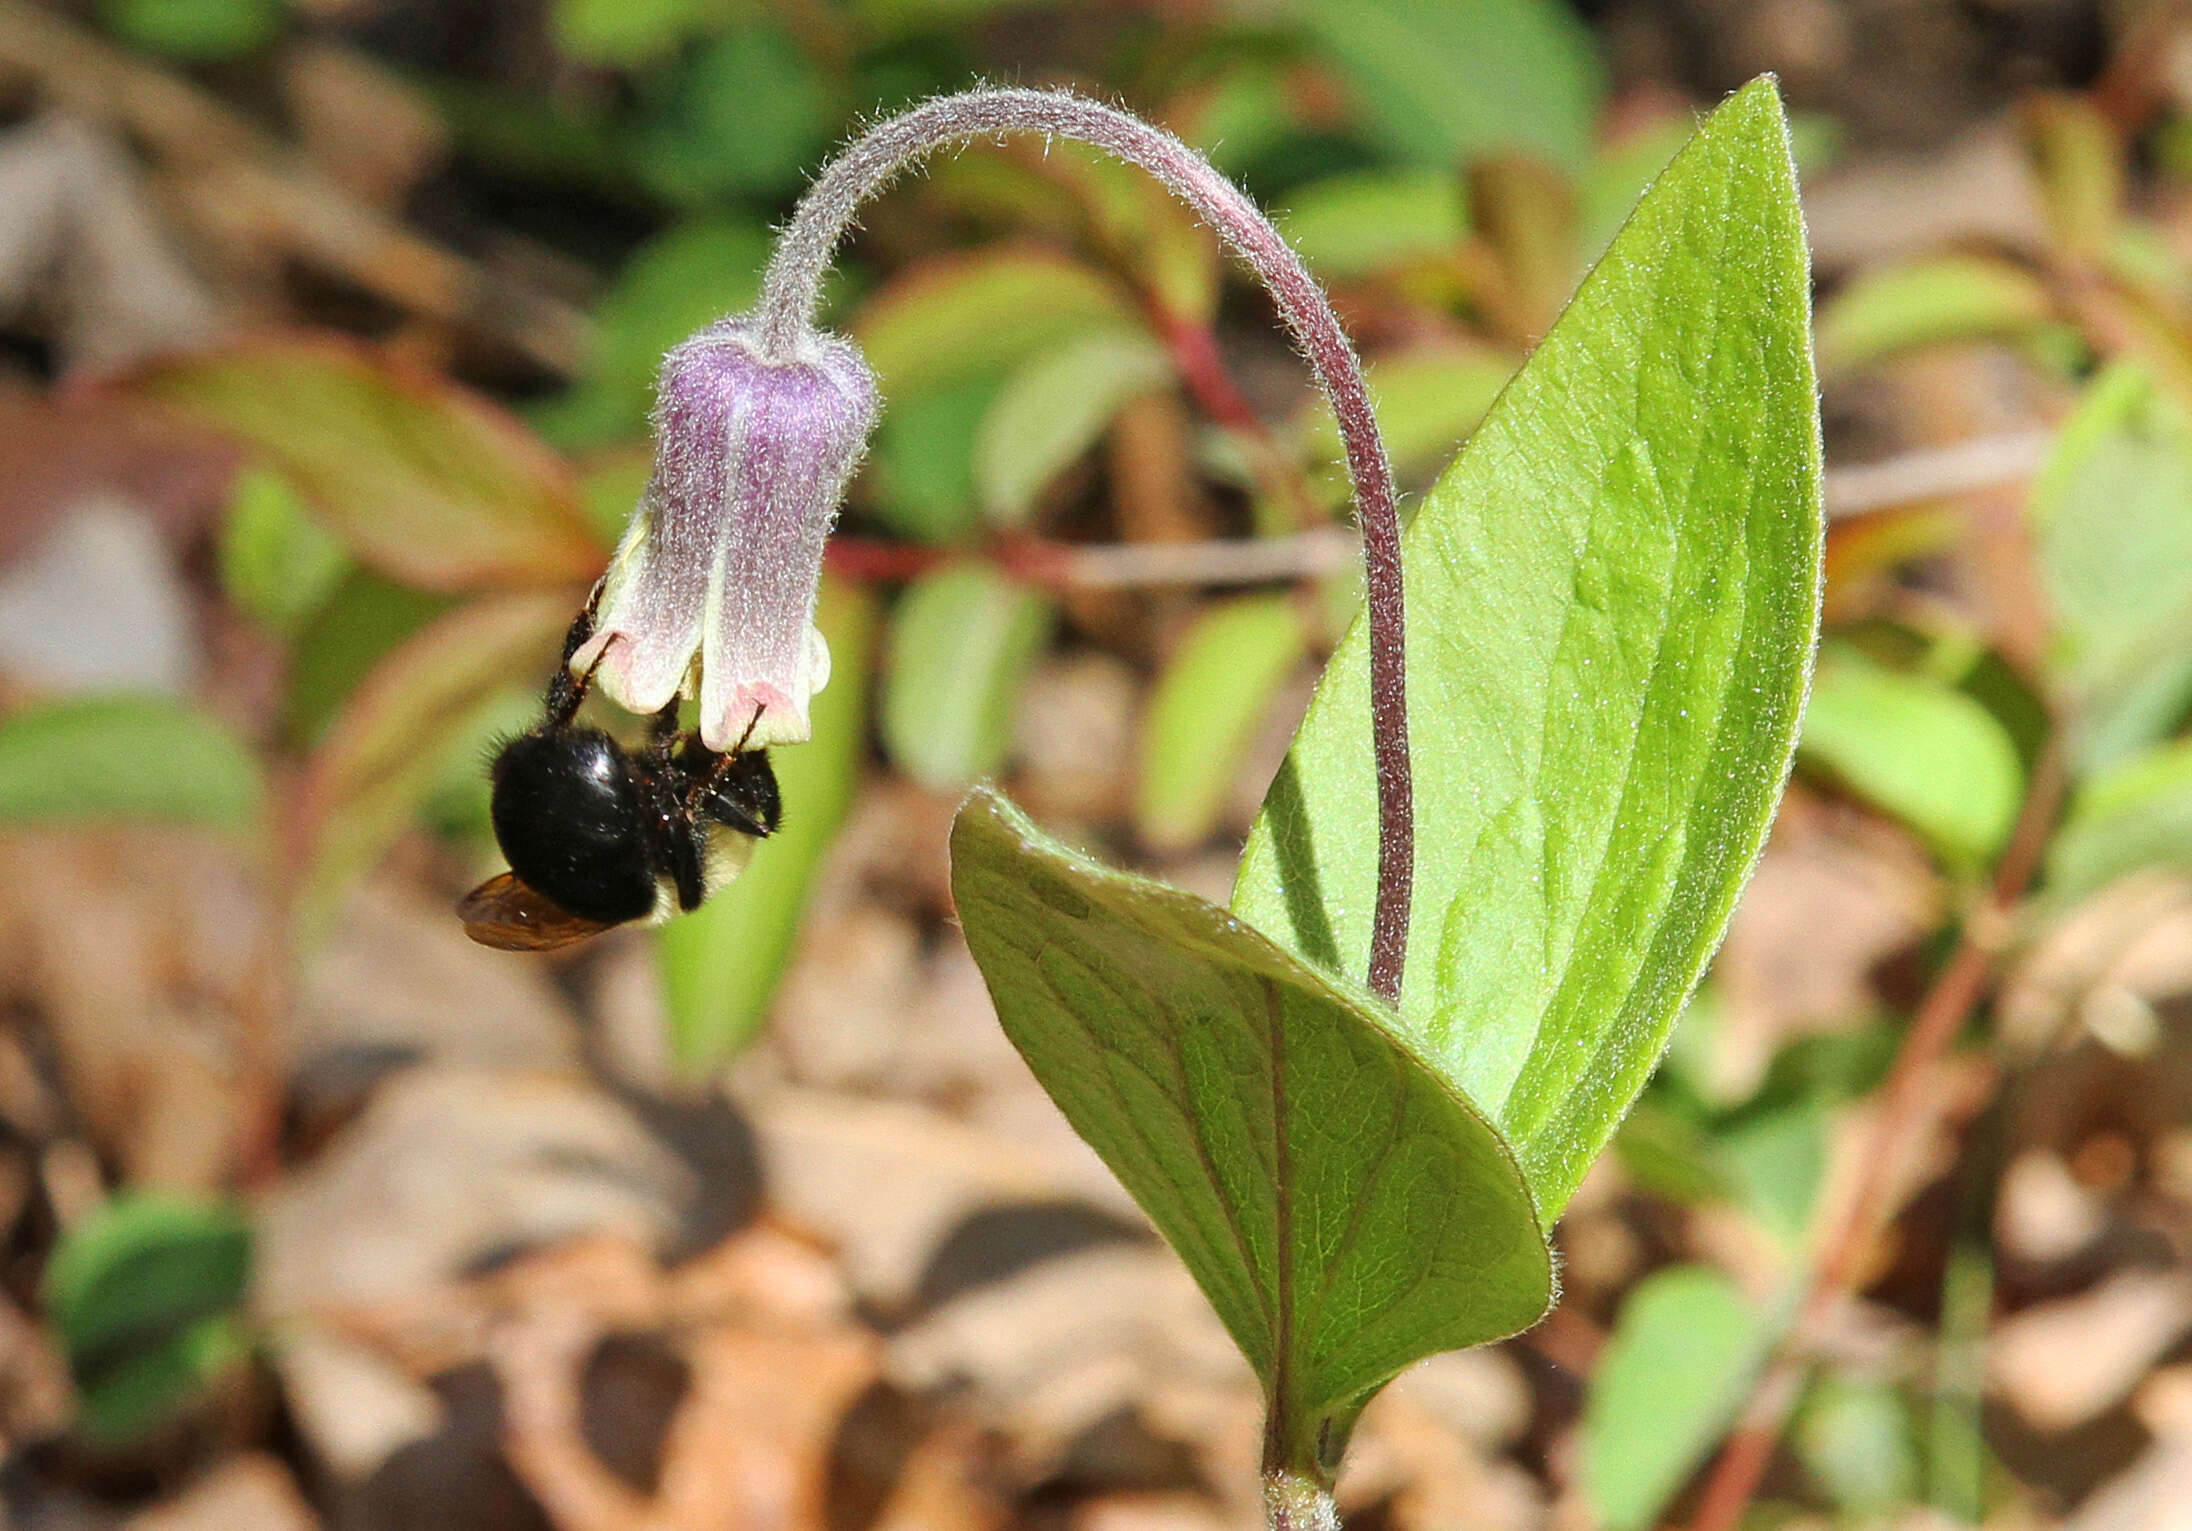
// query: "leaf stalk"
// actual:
[[791, 288]]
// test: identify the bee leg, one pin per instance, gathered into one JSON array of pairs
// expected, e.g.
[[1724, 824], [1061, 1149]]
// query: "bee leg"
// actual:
[[565, 690], [662, 732], [741, 792], [708, 770]]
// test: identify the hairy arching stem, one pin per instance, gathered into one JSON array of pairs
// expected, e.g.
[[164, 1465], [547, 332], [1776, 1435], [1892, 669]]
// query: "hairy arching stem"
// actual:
[[803, 253]]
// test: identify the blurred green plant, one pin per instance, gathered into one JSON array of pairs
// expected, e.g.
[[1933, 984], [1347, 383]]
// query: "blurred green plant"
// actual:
[[145, 1296]]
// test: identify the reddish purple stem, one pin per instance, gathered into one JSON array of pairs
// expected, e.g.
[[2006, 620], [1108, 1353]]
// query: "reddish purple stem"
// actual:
[[804, 252]]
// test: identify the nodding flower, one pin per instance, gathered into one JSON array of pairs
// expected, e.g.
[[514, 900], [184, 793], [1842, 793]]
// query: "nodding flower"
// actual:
[[712, 590]]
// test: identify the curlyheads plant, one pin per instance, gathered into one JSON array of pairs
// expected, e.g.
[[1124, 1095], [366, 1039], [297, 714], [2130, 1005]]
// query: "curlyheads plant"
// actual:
[[1509, 833]]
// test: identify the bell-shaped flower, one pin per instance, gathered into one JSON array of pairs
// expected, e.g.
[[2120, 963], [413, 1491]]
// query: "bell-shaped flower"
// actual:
[[713, 587]]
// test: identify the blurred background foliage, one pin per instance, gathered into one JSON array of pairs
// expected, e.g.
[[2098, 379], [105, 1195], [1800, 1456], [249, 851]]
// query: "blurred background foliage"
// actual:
[[327, 338]]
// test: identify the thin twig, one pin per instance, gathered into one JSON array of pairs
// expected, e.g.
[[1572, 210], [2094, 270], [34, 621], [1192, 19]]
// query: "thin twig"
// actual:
[[1113, 566], [1909, 1108], [1933, 473], [1195, 357]]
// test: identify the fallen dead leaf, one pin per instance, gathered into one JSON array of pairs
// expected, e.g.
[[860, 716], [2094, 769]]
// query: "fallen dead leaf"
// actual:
[[98, 605], [2062, 1363], [1833, 895], [449, 1166], [1151, 1512], [81, 243], [1063, 1345], [1075, 726], [132, 948], [884, 1181], [247, 1493], [2042, 1213], [399, 973]]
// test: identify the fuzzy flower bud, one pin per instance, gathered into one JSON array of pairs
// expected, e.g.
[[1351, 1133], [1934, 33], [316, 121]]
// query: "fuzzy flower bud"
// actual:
[[714, 583]]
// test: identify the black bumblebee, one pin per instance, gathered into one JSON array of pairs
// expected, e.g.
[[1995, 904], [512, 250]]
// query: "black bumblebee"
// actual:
[[597, 834]]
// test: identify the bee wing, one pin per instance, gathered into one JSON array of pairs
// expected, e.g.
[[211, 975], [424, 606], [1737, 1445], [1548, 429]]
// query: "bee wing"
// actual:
[[509, 916]]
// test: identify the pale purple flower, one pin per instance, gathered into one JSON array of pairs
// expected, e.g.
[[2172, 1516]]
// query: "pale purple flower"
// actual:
[[712, 590]]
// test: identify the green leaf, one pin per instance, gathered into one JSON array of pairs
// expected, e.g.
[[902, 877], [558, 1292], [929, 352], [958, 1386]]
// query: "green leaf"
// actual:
[[895, 16], [1344, 1209], [749, 113], [1775, 1162], [2113, 508], [1054, 408], [397, 732], [1367, 221], [123, 758], [1857, 1441], [958, 317], [419, 478], [1680, 1360], [720, 964], [961, 642], [1612, 598], [2077, 159], [920, 475], [277, 564], [143, 1296], [343, 640], [1443, 81], [194, 31], [1205, 712], [2134, 816], [675, 284], [1920, 750], [624, 33], [1893, 309]]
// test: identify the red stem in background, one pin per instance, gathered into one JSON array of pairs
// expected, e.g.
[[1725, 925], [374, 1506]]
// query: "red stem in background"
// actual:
[[1909, 1105], [793, 283]]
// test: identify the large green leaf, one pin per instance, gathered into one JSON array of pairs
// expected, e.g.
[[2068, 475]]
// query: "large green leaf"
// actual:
[[1344, 1208], [720, 964], [1612, 599]]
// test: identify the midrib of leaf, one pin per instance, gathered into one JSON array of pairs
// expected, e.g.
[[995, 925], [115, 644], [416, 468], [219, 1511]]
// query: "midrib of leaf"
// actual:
[[1284, 1422], [1256, 1263]]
